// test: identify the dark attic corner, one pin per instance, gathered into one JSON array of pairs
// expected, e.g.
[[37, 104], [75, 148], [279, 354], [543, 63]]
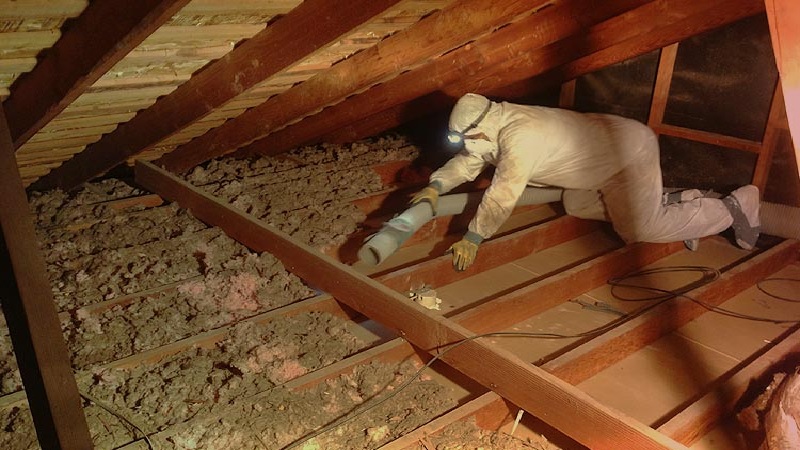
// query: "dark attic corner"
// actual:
[[399, 224]]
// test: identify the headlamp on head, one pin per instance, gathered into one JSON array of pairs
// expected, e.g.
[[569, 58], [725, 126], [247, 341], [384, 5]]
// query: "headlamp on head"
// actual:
[[457, 138]]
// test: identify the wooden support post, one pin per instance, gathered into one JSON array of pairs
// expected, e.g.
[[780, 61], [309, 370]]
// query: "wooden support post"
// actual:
[[566, 97], [552, 400], [771, 140], [666, 66], [31, 317]]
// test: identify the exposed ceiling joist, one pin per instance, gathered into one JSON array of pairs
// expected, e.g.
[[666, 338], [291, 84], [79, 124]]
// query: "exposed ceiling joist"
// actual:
[[451, 27], [533, 389], [99, 38], [307, 28], [635, 33], [784, 25]]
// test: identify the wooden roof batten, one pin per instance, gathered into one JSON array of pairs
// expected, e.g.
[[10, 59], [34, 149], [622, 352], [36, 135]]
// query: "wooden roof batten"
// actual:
[[543, 63], [280, 45], [99, 38]]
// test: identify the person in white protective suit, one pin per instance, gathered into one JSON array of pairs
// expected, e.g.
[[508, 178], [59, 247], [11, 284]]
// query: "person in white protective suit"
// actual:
[[607, 165]]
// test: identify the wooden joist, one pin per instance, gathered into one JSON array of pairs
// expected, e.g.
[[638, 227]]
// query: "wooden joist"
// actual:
[[634, 33], [549, 398], [288, 41], [438, 33], [97, 40], [698, 419], [31, 316], [541, 296], [603, 351]]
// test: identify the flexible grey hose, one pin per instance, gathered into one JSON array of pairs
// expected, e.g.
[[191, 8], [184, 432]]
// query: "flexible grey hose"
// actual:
[[776, 220], [396, 231], [780, 220]]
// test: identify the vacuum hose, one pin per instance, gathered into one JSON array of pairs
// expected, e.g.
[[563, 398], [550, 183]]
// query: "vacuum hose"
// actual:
[[776, 220], [780, 220], [385, 242]]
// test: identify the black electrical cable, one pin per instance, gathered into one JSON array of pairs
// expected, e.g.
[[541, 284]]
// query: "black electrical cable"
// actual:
[[761, 288], [667, 294], [709, 274], [122, 417]]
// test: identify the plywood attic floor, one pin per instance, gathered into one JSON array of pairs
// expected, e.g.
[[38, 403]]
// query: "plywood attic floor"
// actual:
[[652, 383]]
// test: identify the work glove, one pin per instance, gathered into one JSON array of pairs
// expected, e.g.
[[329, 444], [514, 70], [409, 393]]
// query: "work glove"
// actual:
[[465, 251], [429, 194]]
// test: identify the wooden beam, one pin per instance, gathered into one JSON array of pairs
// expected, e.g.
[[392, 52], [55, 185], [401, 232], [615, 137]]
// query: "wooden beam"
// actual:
[[514, 42], [666, 66], [494, 253], [566, 96], [310, 26], [784, 27], [99, 38], [616, 344], [454, 25], [771, 140], [700, 417], [610, 48], [553, 291], [513, 54], [30, 312], [543, 395], [707, 137]]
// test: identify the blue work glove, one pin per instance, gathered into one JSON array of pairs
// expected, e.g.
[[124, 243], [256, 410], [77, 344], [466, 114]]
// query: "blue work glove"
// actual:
[[465, 251], [429, 194]]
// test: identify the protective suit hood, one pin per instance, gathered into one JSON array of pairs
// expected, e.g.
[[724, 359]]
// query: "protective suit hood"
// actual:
[[474, 114]]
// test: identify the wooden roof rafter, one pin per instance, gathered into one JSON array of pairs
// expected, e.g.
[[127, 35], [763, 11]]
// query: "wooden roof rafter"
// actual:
[[99, 38], [541, 63], [288, 41], [451, 27]]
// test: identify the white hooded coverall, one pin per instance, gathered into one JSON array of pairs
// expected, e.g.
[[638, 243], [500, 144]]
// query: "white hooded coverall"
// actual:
[[608, 165]]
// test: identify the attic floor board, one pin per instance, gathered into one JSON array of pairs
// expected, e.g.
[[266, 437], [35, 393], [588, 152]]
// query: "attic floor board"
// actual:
[[491, 283], [721, 438], [664, 375]]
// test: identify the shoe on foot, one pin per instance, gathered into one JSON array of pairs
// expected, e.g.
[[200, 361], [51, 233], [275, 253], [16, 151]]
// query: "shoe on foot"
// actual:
[[743, 204]]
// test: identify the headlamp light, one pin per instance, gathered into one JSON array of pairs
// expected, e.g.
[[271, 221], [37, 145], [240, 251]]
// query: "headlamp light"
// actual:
[[455, 138]]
